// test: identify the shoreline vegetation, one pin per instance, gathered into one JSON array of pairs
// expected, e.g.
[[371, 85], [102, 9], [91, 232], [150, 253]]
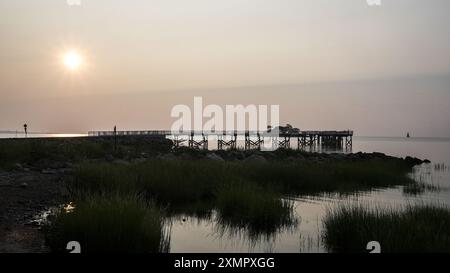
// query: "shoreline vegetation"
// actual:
[[136, 185], [414, 228]]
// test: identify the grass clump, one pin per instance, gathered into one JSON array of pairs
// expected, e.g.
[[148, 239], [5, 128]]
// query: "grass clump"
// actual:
[[423, 228], [168, 182], [110, 223], [316, 177], [242, 205], [420, 188]]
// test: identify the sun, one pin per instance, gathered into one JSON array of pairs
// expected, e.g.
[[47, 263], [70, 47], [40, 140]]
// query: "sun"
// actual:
[[72, 60]]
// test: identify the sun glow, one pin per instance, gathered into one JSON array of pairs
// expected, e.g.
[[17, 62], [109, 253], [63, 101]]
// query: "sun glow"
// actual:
[[72, 60]]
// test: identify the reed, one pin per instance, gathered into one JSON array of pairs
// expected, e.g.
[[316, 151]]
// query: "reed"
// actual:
[[419, 228]]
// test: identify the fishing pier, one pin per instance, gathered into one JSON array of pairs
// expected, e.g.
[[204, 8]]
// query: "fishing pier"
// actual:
[[250, 139]]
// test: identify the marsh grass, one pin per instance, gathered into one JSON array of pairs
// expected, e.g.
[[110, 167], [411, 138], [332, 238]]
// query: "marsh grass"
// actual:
[[420, 188], [247, 206], [174, 182], [192, 188], [179, 182], [32, 150], [246, 196], [110, 223], [419, 228], [318, 177]]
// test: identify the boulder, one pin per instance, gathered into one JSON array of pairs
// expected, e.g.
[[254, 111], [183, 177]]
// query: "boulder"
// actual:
[[379, 155], [186, 156], [214, 157], [291, 159], [413, 161], [122, 162], [109, 158], [256, 159], [167, 157]]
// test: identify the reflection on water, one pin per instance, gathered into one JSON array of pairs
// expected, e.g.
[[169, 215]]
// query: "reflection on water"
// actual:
[[43, 218], [36, 135], [208, 234]]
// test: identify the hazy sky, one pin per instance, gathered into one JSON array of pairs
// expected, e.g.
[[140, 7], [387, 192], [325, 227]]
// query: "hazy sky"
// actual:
[[329, 64]]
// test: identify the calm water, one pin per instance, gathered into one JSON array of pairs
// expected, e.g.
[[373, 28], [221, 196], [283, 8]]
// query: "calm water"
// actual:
[[36, 135], [205, 235]]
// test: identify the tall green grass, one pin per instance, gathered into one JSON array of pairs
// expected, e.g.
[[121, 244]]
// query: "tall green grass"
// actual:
[[174, 182], [306, 177], [32, 150], [259, 211], [180, 181], [110, 223], [423, 228], [245, 195]]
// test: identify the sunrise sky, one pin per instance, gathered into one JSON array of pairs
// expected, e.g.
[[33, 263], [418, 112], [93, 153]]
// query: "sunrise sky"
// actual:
[[329, 64]]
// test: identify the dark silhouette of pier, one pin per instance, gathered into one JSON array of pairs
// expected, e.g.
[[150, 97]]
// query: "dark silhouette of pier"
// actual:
[[251, 139]]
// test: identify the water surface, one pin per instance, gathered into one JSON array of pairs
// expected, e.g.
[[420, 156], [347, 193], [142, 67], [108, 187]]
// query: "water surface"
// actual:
[[37, 135], [192, 234]]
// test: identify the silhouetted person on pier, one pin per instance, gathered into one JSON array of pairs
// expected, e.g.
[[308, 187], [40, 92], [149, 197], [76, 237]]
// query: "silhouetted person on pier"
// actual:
[[115, 138], [25, 128]]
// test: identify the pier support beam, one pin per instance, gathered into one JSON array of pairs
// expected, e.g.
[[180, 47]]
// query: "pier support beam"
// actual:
[[285, 142], [223, 144], [253, 144], [178, 140], [348, 141], [202, 144]]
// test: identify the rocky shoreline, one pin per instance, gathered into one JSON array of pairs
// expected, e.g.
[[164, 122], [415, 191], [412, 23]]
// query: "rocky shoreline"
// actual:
[[24, 195]]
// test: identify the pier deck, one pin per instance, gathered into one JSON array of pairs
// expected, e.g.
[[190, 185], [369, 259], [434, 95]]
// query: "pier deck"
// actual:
[[253, 139]]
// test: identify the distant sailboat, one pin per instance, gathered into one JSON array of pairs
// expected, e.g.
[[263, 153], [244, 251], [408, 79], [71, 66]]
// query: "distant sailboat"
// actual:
[[407, 135]]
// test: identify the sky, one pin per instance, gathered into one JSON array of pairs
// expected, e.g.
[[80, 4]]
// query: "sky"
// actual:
[[340, 64]]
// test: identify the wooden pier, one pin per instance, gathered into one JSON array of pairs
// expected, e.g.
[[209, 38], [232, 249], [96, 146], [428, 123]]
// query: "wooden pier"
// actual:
[[251, 139]]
